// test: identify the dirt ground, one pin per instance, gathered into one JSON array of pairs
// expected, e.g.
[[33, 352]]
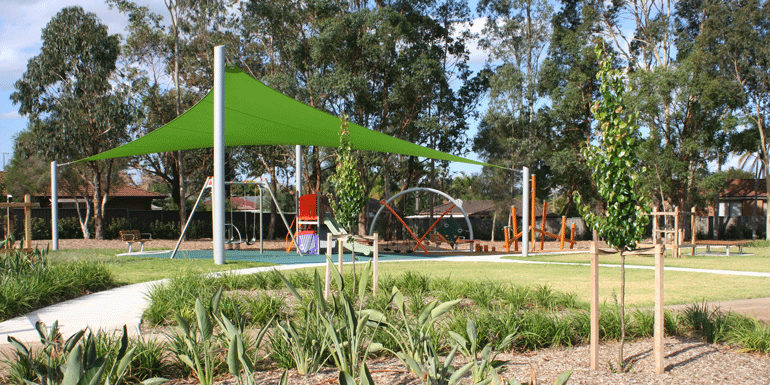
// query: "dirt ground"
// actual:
[[687, 361]]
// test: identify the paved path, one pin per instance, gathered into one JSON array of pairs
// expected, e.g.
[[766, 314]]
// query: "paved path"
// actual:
[[111, 309]]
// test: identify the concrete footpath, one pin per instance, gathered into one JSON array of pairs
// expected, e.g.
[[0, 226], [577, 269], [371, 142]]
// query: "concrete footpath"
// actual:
[[111, 309]]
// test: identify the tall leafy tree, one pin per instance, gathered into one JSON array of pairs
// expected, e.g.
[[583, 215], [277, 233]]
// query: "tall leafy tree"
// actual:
[[569, 80], [74, 109], [161, 57], [382, 63], [685, 108], [512, 133], [734, 35]]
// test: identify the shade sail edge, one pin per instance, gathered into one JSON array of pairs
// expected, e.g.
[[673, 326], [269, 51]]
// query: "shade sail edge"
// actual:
[[256, 114]]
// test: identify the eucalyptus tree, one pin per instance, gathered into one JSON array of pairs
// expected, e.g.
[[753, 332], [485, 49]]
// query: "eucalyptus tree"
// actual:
[[512, 133], [734, 35], [74, 107], [384, 64], [169, 69], [568, 79], [681, 102]]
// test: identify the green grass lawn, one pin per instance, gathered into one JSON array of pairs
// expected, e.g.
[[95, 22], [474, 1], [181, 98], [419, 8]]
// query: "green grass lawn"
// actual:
[[756, 259], [680, 287], [128, 270]]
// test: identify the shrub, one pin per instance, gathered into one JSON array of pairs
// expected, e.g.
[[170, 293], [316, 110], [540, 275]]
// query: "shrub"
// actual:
[[29, 282], [69, 228], [116, 225], [41, 228], [160, 230], [199, 229]]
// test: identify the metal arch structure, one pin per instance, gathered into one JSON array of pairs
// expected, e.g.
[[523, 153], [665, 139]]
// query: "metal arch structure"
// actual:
[[456, 202]]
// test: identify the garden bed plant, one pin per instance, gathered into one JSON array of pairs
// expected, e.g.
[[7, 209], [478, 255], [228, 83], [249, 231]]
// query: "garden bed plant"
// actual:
[[441, 330], [28, 281]]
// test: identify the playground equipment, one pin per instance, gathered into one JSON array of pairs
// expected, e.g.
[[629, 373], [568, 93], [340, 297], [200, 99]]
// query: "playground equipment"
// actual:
[[27, 206], [308, 225], [259, 183], [356, 244], [512, 233], [449, 232], [667, 229]]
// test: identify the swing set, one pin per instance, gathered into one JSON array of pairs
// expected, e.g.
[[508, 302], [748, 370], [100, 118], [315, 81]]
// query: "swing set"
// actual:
[[512, 233], [233, 234]]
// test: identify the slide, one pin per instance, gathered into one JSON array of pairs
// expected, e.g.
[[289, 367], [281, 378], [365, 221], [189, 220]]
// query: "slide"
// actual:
[[354, 246]]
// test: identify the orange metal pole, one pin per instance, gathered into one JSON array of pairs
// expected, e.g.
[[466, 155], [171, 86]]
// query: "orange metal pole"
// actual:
[[562, 233], [431, 228], [404, 223], [532, 226], [515, 225]]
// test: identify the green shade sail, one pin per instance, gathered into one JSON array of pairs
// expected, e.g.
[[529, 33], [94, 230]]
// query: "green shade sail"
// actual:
[[256, 114]]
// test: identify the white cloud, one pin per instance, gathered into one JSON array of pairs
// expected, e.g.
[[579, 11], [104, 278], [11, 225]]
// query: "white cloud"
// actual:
[[22, 22], [10, 115]]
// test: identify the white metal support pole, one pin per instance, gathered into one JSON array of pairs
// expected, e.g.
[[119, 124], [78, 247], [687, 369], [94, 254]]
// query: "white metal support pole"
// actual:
[[218, 196], [525, 212], [54, 205], [298, 165], [297, 182]]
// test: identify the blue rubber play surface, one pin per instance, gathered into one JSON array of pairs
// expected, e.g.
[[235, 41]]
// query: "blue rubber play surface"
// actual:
[[273, 256]]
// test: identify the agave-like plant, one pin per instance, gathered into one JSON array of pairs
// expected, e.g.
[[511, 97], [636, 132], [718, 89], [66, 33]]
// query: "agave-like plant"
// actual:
[[416, 349], [349, 328]]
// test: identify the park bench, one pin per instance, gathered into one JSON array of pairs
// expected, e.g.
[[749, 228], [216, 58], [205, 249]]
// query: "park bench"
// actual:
[[134, 236]]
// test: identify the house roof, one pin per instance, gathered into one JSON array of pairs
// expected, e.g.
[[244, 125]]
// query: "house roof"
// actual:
[[745, 188], [121, 191]]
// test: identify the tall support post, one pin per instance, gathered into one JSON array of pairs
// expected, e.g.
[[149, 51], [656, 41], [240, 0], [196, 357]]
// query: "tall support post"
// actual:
[[329, 267], [594, 339], [525, 212], [261, 241], [677, 240], [340, 254], [27, 221], [376, 270], [54, 205], [654, 215], [693, 231], [218, 196], [659, 328], [297, 181]]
